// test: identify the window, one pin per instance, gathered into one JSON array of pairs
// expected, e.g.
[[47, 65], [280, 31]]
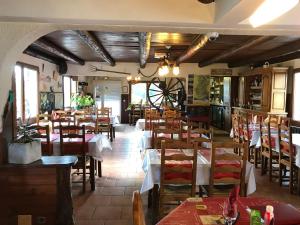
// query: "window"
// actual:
[[139, 93], [296, 94], [26, 83], [70, 88]]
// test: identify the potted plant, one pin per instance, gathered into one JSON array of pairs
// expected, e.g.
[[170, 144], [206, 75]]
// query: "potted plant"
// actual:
[[25, 149], [82, 101]]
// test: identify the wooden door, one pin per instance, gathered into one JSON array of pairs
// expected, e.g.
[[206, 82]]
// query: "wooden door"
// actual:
[[124, 105], [279, 87], [266, 90]]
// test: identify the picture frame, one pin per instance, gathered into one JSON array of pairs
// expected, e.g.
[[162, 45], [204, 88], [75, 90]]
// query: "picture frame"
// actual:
[[125, 89]]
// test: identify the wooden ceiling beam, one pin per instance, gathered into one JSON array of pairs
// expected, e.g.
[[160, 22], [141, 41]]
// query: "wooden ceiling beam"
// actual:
[[49, 46], [199, 43], [145, 45], [90, 40], [285, 49], [41, 55], [230, 52], [280, 59]]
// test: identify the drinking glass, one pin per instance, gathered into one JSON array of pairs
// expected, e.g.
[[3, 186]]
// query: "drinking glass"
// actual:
[[229, 213]]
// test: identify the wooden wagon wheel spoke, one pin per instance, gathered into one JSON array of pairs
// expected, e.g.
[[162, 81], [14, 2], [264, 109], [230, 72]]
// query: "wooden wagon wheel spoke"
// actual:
[[169, 83], [157, 99], [174, 85], [155, 90], [155, 95], [177, 89]]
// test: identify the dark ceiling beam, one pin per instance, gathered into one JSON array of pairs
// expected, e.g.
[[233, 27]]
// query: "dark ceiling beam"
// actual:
[[90, 40], [49, 46], [199, 43], [206, 1], [285, 49], [230, 52], [145, 45], [280, 59], [41, 55]]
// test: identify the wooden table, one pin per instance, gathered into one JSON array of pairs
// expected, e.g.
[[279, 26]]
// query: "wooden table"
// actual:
[[188, 214], [41, 189]]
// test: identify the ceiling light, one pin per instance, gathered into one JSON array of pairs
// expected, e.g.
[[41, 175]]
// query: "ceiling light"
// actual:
[[270, 10], [129, 78], [176, 70]]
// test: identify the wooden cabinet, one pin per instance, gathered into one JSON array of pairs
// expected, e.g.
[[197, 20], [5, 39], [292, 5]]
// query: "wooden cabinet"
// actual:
[[265, 89]]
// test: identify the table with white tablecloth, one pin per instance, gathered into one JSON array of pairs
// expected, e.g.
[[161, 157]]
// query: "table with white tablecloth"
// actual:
[[140, 124], [152, 162], [96, 145]]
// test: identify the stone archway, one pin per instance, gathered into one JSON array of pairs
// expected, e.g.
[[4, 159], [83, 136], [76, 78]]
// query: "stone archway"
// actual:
[[14, 38]]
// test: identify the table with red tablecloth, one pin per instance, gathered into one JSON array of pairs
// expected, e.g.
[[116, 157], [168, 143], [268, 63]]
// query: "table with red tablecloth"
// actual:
[[189, 212]]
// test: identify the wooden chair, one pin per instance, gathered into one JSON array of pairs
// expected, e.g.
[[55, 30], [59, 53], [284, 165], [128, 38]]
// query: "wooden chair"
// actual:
[[103, 122], [135, 113], [200, 136], [169, 114], [269, 155], [160, 134], [88, 122], [223, 172], [109, 110], [79, 150], [150, 115], [43, 133], [65, 120], [137, 209], [178, 173], [287, 155], [43, 119], [236, 129]]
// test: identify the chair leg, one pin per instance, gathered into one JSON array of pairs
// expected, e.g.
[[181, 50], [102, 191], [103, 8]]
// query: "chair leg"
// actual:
[[149, 198], [291, 180], [84, 177], [262, 165], [280, 174], [270, 169], [99, 169]]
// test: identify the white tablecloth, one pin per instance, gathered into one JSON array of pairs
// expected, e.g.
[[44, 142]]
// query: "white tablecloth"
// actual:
[[140, 124], [151, 166], [113, 119], [296, 142], [144, 139], [96, 145]]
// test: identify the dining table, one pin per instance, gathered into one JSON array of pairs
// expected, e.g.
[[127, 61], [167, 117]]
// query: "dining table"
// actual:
[[209, 211], [152, 163]]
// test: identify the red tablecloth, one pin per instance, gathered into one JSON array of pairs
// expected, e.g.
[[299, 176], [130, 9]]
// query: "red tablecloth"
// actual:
[[187, 214]]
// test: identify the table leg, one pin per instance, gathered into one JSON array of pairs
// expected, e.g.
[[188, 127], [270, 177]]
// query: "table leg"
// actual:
[[92, 173], [111, 133], [114, 132], [298, 185], [155, 203]]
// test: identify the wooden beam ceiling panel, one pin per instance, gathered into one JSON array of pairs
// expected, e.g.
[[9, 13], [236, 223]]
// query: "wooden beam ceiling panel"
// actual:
[[285, 49], [280, 59], [34, 52], [49, 46], [230, 52], [90, 40], [145, 45]]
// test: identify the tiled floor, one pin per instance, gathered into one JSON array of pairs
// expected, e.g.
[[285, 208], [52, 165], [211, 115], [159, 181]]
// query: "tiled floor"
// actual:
[[110, 203]]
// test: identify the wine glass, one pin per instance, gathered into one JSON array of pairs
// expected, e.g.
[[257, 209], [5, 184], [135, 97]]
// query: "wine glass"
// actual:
[[229, 212]]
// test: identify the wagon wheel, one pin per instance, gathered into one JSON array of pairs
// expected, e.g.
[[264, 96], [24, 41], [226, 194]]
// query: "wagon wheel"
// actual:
[[168, 92]]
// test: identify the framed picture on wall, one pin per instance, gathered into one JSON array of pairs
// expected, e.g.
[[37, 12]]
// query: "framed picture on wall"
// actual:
[[125, 89]]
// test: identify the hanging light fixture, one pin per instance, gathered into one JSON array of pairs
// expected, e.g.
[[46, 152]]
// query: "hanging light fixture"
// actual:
[[270, 10], [175, 70]]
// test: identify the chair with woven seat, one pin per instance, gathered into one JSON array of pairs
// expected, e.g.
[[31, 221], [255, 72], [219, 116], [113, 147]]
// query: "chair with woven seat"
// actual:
[[136, 113], [200, 136], [88, 122], [178, 173], [269, 155], [137, 209], [287, 155], [160, 134], [227, 168], [43, 119], [78, 133]]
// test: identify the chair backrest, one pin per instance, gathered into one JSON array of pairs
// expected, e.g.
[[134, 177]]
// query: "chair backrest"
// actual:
[[178, 165], [244, 131], [150, 116], [268, 125], [199, 135], [170, 114], [65, 120], [235, 127], [160, 134], [72, 132], [42, 132], [137, 209], [227, 168], [285, 140], [88, 122], [109, 110], [43, 119]]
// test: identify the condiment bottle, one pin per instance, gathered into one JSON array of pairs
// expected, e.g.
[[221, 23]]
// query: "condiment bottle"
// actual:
[[269, 215]]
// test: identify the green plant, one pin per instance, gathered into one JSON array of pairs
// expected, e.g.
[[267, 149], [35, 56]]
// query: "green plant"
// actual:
[[24, 133], [83, 100]]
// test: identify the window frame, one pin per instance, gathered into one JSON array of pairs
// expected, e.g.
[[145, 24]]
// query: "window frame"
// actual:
[[63, 83], [31, 67]]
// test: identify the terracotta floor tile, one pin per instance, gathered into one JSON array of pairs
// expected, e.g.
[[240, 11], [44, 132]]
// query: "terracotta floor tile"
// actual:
[[126, 212], [121, 200], [112, 191], [108, 212]]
